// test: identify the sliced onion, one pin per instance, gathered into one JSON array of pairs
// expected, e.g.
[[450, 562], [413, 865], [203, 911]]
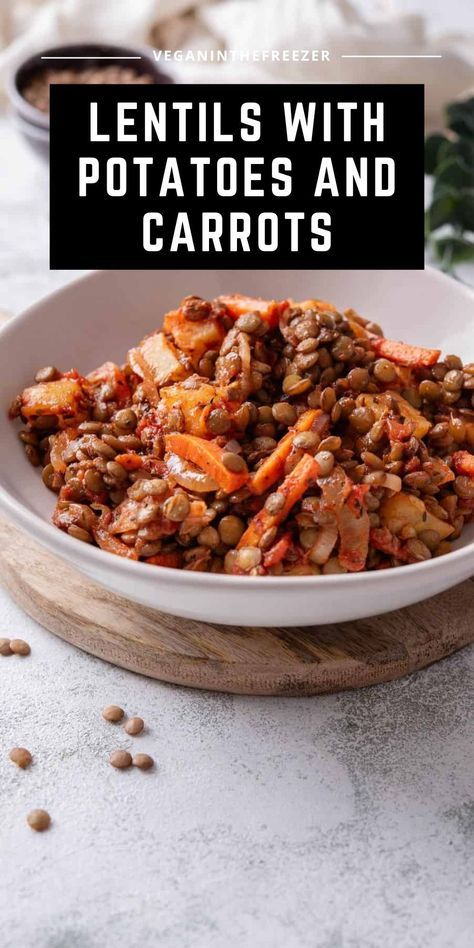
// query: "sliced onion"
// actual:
[[188, 475], [60, 444], [325, 543], [382, 479]]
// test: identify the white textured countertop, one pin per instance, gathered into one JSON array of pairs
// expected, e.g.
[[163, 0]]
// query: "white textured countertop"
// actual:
[[338, 822]]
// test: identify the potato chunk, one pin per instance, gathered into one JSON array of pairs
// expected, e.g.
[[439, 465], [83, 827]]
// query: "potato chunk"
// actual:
[[63, 398], [402, 509], [194, 403], [194, 338], [157, 360]]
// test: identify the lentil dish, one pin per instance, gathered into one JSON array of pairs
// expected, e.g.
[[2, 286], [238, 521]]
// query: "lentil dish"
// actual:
[[257, 437]]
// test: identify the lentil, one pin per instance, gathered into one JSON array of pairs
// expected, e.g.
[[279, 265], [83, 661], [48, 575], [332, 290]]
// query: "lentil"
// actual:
[[79, 533], [418, 550], [295, 385], [333, 444], [134, 726], [274, 503], [5, 647], [21, 757], [126, 419], [429, 390], [19, 647], [249, 322], [143, 761], [120, 759], [284, 413], [209, 537], [176, 508], [233, 462], [326, 462], [247, 558], [48, 374], [116, 471], [306, 440], [113, 713], [384, 371], [453, 380]]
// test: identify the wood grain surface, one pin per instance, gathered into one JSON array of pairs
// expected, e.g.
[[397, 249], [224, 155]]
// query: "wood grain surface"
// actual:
[[296, 661]]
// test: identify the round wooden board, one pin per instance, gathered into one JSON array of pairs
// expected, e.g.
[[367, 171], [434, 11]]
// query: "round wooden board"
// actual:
[[297, 661]]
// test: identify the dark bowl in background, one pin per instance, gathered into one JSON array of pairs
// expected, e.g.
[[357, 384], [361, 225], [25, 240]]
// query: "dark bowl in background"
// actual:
[[32, 123]]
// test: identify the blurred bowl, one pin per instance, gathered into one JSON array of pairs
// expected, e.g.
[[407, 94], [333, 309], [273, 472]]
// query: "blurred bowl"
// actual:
[[37, 138], [32, 122]]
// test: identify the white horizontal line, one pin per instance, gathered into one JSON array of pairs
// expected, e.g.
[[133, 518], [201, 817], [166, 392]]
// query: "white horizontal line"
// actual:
[[391, 56], [91, 57]]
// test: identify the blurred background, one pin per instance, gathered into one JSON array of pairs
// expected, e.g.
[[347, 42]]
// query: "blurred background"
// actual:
[[366, 28], [344, 27]]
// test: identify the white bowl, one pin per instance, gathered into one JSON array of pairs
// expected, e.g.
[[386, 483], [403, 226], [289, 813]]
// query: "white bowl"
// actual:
[[99, 316]]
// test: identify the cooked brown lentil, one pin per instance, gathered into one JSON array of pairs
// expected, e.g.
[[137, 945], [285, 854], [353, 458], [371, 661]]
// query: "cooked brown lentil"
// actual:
[[5, 646], [325, 460], [284, 413], [126, 419], [233, 462], [48, 374]]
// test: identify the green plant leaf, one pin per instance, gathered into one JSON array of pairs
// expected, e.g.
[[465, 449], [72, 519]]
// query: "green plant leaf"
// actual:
[[460, 117], [449, 157], [433, 146], [464, 212], [452, 251]]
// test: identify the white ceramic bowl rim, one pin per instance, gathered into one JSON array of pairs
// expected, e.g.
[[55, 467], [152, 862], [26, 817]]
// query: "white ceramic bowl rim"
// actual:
[[53, 538]]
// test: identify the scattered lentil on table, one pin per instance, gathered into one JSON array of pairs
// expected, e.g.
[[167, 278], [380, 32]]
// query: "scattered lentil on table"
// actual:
[[120, 759], [143, 761], [39, 820], [134, 726], [113, 713], [21, 757], [19, 647]]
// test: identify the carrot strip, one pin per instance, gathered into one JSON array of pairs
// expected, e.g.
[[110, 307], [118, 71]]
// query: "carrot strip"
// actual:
[[273, 466], [292, 489], [172, 559], [208, 456], [268, 310], [404, 354], [464, 463]]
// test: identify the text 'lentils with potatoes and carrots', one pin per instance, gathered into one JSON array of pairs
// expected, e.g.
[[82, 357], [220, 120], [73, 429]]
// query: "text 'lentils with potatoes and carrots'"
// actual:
[[260, 438]]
